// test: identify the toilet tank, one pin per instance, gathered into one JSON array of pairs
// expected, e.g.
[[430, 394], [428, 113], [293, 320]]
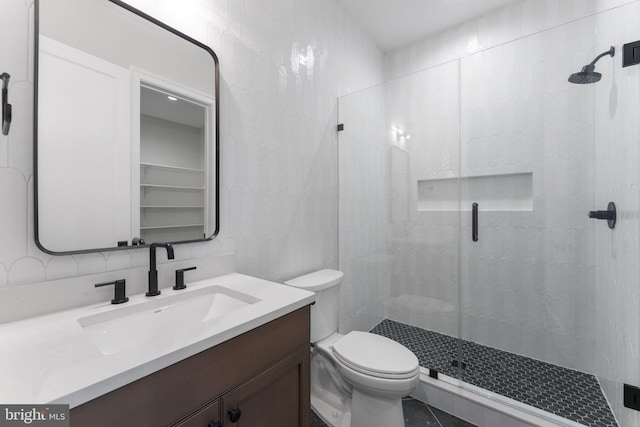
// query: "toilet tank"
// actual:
[[324, 313]]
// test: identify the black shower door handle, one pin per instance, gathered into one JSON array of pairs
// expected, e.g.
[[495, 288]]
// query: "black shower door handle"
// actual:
[[474, 222]]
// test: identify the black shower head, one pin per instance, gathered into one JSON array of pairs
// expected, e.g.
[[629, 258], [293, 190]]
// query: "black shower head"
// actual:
[[588, 75]]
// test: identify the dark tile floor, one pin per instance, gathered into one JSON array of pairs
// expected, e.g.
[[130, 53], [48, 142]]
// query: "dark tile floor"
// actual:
[[416, 414], [564, 392]]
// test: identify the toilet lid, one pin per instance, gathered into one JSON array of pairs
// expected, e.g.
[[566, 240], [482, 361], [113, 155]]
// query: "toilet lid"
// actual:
[[375, 355]]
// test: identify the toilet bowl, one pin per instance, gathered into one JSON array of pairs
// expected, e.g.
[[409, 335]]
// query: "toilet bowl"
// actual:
[[357, 379]]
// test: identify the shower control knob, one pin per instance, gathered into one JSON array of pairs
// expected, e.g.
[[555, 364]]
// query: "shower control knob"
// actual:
[[234, 415], [609, 215]]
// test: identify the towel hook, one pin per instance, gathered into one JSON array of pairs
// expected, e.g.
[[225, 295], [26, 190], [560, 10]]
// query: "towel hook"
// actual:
[[6, 107]]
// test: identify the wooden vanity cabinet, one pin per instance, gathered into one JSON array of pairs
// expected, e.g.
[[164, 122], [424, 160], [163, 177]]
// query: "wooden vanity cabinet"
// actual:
[[263, 373]]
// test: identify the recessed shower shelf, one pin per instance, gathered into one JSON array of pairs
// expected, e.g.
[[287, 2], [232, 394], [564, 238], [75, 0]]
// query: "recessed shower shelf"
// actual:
[[495, 193]]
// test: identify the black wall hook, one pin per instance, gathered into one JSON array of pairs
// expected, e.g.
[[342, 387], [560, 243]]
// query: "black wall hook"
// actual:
[[6, 107]]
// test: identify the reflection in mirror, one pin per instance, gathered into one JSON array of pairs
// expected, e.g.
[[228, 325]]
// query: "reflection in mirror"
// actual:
[[172, 167], [126, 132]]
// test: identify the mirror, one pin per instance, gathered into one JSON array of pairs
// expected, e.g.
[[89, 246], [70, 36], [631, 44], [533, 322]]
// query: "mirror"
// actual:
[[126, 130]]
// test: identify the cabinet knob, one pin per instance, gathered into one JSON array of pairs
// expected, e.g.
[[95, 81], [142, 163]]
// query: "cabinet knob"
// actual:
[[234, 415], [214, 424]]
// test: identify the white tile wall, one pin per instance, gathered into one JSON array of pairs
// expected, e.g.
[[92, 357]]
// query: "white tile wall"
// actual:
[[278, 141]]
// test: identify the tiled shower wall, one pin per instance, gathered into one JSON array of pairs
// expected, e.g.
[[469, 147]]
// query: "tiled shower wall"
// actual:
[[283, 64], [549, 283]]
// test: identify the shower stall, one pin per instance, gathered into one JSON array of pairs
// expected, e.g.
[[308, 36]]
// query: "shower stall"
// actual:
[[464, 229]]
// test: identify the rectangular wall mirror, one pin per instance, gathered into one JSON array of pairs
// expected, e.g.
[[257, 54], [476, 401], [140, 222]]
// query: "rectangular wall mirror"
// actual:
[[126, 130]]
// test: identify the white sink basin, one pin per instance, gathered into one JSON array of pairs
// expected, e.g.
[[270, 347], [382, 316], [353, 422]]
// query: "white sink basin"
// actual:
[[156, 321]]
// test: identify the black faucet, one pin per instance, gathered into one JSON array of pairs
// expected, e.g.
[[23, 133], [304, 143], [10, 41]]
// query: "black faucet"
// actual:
[[153, 273]]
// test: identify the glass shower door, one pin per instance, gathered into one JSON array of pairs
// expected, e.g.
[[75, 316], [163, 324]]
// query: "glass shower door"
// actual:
[[363, 209], [527, 253], [398, 213], [423, 134]]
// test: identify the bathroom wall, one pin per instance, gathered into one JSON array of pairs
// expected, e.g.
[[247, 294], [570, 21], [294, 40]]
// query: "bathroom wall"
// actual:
[[283, 63], [549, 283]]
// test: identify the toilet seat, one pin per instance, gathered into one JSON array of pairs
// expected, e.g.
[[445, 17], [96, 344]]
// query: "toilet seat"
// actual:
[[376, 356]]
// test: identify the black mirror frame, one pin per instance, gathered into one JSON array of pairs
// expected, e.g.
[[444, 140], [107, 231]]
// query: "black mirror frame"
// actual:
[[35, 131]]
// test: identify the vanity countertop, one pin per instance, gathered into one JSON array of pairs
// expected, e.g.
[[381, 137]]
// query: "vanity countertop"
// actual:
[[52, 358]]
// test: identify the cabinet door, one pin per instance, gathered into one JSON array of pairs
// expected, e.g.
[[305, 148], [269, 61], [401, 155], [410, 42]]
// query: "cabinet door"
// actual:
[[206, 417], [277, 397]]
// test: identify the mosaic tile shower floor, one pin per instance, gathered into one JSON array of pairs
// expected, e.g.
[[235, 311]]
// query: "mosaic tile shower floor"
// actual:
[[564, 392]]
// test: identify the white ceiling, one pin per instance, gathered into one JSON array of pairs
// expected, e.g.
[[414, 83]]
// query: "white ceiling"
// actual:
[[395, 23], [156, 104]]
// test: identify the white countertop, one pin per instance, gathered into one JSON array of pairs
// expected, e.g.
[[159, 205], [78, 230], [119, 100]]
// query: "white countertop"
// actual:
[[50, 359]]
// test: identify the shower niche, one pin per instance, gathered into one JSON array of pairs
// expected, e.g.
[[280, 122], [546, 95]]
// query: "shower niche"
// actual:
[[506, 193]]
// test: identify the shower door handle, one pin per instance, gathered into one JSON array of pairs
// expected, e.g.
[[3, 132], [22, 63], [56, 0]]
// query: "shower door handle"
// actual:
[[474, 222]]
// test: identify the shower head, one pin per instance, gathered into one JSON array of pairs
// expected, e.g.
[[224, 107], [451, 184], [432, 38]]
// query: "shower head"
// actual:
[[588, 74]]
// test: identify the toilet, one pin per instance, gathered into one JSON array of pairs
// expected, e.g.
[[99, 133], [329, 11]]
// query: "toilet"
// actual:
[[357, 379]]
